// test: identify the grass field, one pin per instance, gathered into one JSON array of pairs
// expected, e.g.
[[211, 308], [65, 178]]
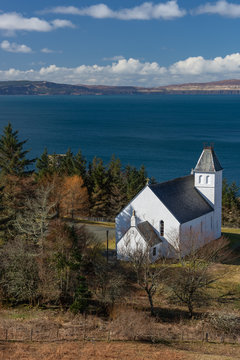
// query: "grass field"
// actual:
[[117, 351]]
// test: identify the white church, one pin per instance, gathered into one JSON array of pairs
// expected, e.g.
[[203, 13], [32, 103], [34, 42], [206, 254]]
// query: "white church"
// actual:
[[160, 215]]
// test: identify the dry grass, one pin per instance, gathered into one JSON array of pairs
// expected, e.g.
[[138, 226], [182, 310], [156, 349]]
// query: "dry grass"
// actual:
[[117, 350]]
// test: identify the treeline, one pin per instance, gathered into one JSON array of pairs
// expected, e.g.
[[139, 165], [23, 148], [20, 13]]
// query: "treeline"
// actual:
[[43, 259], [108, 187]]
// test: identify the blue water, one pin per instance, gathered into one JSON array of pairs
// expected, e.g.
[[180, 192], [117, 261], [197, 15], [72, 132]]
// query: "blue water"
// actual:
[[165, 133]]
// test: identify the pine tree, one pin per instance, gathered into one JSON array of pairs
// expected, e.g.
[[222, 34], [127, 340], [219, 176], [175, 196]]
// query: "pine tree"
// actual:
[[3, 217], [13, 159], [42, 165], [80, 165], [81, 297], [100, 189], [117, 196], [136, 180], [67, 164]]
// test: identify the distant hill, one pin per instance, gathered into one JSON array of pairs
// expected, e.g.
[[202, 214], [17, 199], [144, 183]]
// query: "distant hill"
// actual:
[[50, 88]]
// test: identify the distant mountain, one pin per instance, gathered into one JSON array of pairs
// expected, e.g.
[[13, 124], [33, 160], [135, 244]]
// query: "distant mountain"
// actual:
[[50, 88]]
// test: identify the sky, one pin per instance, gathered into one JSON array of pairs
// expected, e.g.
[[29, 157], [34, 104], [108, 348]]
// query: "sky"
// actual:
[[120, 42]]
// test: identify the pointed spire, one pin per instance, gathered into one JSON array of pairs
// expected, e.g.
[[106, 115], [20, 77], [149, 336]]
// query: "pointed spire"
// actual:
[[208, 161], [133, 219]]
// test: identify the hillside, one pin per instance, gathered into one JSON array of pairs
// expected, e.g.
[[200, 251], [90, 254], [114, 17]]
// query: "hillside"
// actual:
[[50, 88]]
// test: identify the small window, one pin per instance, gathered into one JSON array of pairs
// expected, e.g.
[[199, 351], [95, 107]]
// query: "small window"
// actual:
[[200, 179], [207, 179], [161, 228], [154, 251]]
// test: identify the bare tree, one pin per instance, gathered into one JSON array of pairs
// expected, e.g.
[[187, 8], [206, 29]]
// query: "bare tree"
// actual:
[[34, 220], [109, 283], [19, 271], [190, 280], [148, 274]]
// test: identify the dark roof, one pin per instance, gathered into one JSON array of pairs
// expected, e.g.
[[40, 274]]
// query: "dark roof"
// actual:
[[148, 233], [208, 161], [181, 198]]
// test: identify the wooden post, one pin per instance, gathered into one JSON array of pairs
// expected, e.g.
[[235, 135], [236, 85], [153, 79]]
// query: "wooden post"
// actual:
[[84, 329], [31, 334], [107, 245], [206, 337]]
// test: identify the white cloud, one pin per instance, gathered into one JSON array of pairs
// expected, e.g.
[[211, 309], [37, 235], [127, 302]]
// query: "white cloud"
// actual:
[[12, 22], [47, 51], [198, 65], [221, 7], [50, 51], [113, 58], [15, 48], [145, 11], [134, 72]]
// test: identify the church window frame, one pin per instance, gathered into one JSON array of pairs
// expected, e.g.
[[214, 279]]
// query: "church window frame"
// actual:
[[161, 228], [200, 179], [154, 251], [208, 179]]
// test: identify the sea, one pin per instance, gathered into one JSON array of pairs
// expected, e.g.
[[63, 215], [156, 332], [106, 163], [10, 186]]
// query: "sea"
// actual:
[[166, 133]]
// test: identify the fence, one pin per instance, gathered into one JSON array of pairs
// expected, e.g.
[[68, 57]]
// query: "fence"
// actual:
[[103, 331]]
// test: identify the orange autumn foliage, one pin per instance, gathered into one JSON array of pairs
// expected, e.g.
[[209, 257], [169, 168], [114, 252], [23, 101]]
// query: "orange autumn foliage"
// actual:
[[73, 197]]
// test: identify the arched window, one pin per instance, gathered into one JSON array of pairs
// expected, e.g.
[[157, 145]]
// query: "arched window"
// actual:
[[207, 179], [200, 179], [161, 228]]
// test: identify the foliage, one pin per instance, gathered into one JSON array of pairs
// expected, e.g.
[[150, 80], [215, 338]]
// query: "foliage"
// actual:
[[19, 272], [81, 297], [13, 159], [74, 197], [230, 203]]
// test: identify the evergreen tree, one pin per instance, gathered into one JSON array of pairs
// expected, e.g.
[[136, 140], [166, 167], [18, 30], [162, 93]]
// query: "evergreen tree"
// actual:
[[67, 164], [100, 189], [13, 159], [82, 296], [80, 165], [42, 165], [4, 219], [117, 196], [136, 180]]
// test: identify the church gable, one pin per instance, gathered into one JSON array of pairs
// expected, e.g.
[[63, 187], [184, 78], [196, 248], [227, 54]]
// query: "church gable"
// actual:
[[149, 208]]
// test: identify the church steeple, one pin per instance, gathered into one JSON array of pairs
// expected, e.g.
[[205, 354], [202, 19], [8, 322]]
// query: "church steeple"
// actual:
[[208, 181], [208, 161]]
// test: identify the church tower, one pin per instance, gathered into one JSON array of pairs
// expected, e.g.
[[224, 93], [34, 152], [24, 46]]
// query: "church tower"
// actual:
[[208, 181]]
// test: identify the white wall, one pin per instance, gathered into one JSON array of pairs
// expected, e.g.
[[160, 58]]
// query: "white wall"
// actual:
[[130, 242], [197, 232], [133, 240], [212, 192], [147, 208]]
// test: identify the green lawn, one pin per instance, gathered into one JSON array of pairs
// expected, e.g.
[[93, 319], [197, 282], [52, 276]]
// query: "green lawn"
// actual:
[[233, 235]]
